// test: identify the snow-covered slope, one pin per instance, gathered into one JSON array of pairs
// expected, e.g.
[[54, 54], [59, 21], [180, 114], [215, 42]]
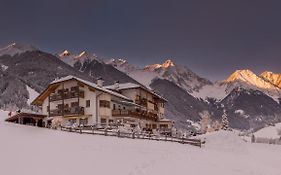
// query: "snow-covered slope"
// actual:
[[57, 152], [216, 91], [16, 48], [32, 94]]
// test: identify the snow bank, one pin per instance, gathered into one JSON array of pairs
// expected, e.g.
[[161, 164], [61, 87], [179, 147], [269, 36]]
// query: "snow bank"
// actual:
[[3, 115], [27, 150], [269, 132], [225, 141]]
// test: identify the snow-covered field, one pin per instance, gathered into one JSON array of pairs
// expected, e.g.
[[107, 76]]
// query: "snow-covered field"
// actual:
[[26, 150]]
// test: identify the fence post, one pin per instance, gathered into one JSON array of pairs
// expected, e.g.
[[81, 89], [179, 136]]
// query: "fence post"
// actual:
[[133, 135], [118, 133], [105, 132], [80, 129], [93, 131]]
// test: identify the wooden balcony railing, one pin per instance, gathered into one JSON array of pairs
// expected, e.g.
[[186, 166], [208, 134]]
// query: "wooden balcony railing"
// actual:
[[134, 113], [67, 111], [67, 95]]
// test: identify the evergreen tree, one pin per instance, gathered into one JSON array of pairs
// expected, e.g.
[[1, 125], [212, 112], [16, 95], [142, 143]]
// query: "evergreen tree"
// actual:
[[224, 122]]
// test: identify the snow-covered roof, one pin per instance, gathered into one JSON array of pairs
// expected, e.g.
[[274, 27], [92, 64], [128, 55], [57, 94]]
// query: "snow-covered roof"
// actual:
[[124, 86], [94, 85], [165, 120]]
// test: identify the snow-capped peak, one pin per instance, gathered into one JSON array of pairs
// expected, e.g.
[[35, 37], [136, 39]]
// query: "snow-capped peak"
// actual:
[[71, 58], [16, 48], [272, 77], [242, 75], [65, 53], [84, 53], [166, 64], [117, 61], [250, 78], [246, 79]]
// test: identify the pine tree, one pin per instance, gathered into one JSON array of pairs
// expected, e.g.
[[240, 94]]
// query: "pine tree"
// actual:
[[224, 122]]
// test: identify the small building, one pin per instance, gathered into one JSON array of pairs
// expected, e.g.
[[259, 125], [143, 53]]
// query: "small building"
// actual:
[[32, 119]]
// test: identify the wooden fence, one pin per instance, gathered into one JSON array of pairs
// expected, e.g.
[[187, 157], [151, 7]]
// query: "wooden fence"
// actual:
[[133, 135], [266, 140]]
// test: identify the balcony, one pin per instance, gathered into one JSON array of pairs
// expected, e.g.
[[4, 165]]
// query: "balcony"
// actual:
[[142, 102], [67, 111], [135, 113], [67, 95]]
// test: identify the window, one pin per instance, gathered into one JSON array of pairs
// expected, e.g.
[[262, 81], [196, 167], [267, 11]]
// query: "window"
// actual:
[[75, 89], [114, 106], [104, 104], [88, 103], [60, 91], [59, 106], [103, 120]]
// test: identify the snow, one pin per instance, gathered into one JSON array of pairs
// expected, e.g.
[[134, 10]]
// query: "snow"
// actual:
[[3, 67], [143, 76], [123, 86], [269, 132], [27, 150], [216, 91], [272, 77], [32, 94]]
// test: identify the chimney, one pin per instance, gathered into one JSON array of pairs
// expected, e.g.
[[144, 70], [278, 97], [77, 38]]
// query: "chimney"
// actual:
[[100, 82], [116, 84]]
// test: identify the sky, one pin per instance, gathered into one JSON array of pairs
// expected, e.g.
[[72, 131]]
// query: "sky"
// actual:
[[212, 38]]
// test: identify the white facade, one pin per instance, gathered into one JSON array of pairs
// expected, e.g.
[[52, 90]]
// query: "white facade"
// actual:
[[73, 100]]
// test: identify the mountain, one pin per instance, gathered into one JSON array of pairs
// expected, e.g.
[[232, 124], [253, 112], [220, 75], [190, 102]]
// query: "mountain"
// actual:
[[251, 109], [16, 48], [180, 75], [168, 70], [250, 100], [93, 66], [245, 79], [29, 70], [181, 106]]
